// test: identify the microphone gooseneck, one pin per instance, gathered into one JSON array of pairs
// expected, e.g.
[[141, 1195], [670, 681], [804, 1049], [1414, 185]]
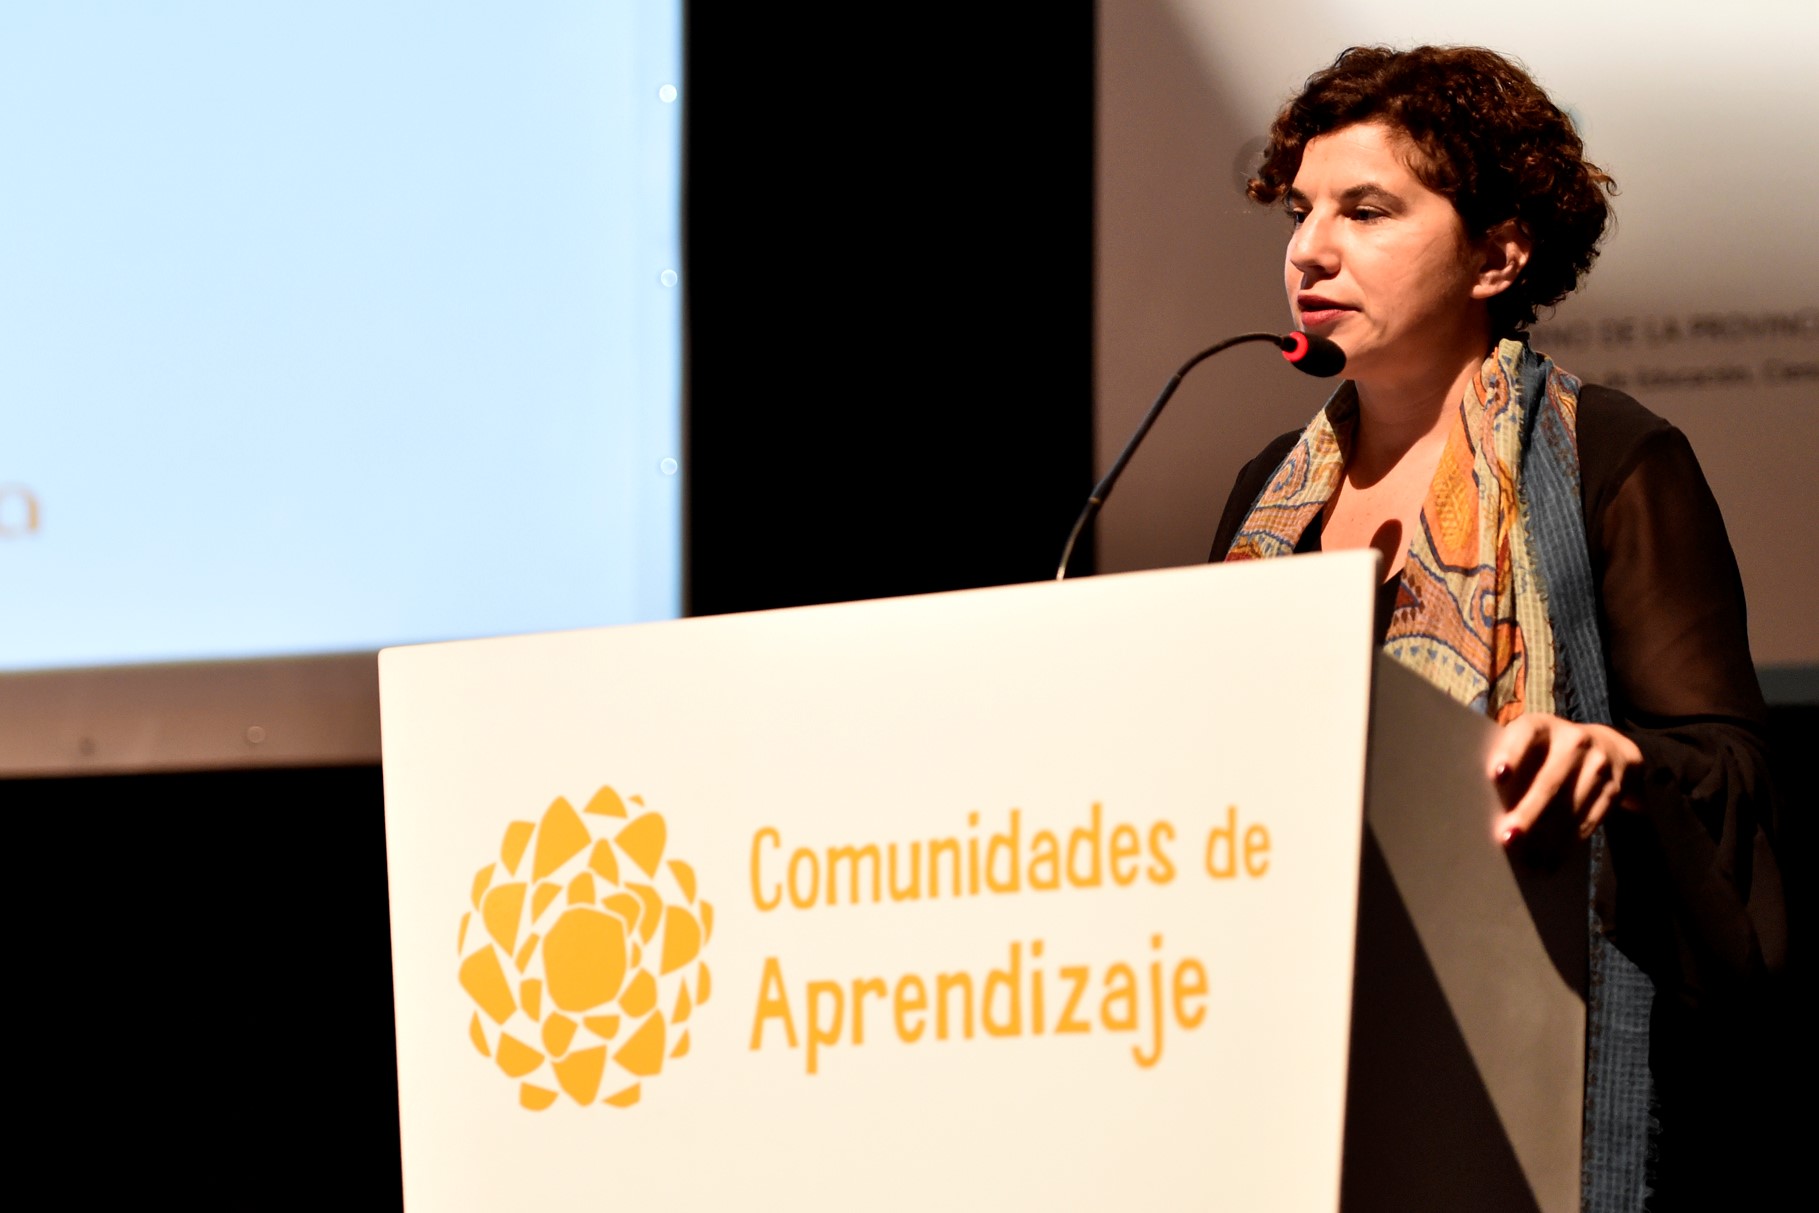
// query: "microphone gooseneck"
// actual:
[[1305, 352]]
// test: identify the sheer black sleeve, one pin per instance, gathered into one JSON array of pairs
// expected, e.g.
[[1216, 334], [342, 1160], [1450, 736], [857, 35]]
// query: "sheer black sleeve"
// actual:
[[1696, 895], [1693, 891]]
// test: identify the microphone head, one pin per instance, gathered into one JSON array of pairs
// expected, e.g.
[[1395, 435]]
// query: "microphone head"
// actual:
[[1315, 355]]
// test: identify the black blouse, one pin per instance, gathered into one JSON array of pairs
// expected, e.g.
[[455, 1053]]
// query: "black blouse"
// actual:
[[1693, 891]]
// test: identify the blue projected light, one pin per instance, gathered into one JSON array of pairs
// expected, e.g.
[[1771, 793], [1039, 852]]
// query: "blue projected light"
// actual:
[[326, 326]]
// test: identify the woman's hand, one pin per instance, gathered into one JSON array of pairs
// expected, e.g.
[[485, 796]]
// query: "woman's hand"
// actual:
[[1554, 774]]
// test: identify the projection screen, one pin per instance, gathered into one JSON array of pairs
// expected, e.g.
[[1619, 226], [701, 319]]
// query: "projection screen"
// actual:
[[323, 326]]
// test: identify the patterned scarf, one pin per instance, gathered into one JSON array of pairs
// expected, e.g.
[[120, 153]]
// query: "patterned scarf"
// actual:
[[1496, 606]]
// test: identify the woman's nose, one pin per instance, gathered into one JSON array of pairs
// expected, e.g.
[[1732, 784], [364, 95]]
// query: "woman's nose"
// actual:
[[1310, 248]]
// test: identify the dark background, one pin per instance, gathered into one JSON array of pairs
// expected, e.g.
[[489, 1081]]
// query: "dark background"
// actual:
[[888, 273], [889, 300]]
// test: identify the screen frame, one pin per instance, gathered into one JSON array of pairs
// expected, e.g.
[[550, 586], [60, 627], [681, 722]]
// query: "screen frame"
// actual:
[[196, 715]]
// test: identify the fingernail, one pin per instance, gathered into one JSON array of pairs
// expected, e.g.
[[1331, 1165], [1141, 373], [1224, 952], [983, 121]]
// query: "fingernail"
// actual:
[[1510, 834], [1500, 772]]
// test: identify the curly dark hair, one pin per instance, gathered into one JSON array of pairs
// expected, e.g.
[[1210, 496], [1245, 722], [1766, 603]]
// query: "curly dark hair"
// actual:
[[1485, 136]]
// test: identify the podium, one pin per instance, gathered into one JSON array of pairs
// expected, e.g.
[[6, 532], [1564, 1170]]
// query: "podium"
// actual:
[[1156, 890]]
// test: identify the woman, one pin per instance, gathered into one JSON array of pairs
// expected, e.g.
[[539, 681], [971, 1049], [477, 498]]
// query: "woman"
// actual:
[[1553, 557]]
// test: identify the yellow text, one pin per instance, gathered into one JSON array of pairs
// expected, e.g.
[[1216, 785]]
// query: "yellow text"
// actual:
[[1024, 997]]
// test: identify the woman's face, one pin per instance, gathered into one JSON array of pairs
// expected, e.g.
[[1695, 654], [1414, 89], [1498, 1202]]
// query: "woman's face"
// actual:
[[1380, 263]]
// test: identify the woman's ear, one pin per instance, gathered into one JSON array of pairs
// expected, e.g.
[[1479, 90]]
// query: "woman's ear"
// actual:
[[1503, 253]]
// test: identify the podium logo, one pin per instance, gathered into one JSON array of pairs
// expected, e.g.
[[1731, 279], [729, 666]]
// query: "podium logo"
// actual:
[[582, 953]]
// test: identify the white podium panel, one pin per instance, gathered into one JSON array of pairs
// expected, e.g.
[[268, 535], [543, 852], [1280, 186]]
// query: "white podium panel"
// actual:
[[1041, 897], [1036, 897]]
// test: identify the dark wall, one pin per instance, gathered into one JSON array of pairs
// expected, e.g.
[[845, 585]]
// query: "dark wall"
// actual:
[[200, 1000], [890, 299]]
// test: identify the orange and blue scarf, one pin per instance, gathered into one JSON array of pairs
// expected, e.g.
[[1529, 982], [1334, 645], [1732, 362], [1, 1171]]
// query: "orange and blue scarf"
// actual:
[[1496, 606]]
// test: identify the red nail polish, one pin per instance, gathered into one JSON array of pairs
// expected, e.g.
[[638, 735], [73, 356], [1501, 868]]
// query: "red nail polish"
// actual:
[[1511, 833], [1502, 772]]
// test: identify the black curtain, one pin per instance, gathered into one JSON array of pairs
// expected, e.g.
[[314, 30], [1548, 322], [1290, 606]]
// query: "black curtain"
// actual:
[[889, 252]]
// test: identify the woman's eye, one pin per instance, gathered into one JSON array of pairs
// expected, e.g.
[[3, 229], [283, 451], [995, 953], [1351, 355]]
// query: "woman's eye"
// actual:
[[1366, 214], [1296, 218]]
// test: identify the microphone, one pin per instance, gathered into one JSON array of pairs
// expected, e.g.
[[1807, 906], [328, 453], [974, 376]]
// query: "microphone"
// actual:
[[1305, 352], [1313, 355]]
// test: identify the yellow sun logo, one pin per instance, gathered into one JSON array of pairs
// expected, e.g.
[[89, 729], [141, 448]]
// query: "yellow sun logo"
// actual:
[[577, 991]]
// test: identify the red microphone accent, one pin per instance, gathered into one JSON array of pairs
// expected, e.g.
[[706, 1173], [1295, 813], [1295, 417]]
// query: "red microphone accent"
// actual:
[[1296, 349]]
